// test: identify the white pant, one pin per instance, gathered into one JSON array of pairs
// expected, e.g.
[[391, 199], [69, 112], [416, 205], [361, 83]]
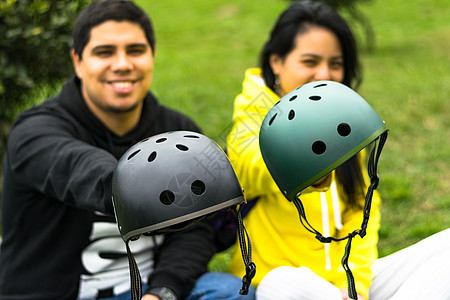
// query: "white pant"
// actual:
[[421, 271]]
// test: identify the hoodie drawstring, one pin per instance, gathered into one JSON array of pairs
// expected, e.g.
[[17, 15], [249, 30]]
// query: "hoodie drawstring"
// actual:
[[336, 206], [325, 219], [325, 228]]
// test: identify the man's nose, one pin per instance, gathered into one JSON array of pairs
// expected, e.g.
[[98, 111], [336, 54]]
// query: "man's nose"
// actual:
[[121, 62]]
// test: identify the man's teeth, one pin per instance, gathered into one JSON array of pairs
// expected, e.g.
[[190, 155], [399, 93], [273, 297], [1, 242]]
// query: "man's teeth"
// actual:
[[122, 84]]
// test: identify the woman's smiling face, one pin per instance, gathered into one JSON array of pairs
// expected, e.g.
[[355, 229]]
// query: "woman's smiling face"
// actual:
[[317, 55]]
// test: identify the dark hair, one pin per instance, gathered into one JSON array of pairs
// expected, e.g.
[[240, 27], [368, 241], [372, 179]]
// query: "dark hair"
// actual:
[[99, 12], [297, 19]]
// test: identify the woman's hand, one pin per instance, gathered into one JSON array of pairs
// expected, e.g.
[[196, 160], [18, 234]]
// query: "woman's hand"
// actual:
[[346, 297]]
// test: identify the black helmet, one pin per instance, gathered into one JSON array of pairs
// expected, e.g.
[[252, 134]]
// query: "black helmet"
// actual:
[[168, 181]]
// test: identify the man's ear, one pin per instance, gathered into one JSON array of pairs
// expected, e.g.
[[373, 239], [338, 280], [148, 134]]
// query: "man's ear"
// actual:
[[76, 59]]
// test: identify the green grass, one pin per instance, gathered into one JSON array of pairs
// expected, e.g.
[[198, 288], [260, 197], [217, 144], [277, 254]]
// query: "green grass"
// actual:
[[408, 83], [203, 48]]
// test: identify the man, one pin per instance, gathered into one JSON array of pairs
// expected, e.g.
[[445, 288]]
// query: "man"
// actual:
[[60, 239]]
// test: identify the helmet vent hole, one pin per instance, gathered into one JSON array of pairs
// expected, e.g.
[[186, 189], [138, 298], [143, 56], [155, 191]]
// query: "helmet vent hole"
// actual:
[[191, 136], [198, 187], [344, 129], [293, 98], [319, 147], [161, 140], [291, 114], [320, 85], [272, 119], [315, 98], [152, 156], [277, 102], [133, 154], [167, 197], [182, 147]]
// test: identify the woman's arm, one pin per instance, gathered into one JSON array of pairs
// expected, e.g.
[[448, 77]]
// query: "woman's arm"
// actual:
[[243, 146]]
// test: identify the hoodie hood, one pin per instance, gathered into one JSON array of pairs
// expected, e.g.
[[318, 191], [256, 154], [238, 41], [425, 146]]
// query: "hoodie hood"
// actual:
[[72, 105], [72, 100]]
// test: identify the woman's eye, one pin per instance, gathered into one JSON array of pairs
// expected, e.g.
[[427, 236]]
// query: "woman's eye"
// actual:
[[336, 64]]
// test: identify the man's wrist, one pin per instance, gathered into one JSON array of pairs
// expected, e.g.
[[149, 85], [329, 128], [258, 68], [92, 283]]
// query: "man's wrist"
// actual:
[[162, 293]]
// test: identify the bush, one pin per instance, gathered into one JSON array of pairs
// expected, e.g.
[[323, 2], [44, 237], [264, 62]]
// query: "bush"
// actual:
[[35, 40]]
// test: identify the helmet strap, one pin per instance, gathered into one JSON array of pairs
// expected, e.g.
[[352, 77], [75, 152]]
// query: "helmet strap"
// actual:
[[374, 180], [250, 267], [244, 239], [135, 277]]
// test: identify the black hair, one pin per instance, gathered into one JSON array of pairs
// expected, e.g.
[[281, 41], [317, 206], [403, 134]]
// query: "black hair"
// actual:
[[99, 12], [297, 19]]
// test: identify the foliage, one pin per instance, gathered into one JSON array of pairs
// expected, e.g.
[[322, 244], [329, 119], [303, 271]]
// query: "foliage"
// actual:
[[35, 39]]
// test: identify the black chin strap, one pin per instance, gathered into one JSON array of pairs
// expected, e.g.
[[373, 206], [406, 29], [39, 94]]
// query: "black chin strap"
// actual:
[[135, 276], [250, 267], [374, 180]]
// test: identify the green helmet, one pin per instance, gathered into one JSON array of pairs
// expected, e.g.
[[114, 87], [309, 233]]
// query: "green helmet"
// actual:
[[312, 130], [309, 133]]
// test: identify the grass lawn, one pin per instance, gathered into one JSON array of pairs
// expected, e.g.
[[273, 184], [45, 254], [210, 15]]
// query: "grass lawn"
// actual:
[[203, 48]]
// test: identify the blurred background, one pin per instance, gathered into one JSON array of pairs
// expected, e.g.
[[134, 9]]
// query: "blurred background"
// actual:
[[204, 47]]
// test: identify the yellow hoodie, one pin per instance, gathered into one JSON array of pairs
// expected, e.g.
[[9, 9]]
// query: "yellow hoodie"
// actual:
[[276, 234]]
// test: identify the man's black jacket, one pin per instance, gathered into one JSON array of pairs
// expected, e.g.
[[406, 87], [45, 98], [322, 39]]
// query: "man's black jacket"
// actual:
[[57, 174]]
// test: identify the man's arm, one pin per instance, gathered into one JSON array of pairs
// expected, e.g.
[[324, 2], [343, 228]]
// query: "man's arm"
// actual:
[[45, 156]]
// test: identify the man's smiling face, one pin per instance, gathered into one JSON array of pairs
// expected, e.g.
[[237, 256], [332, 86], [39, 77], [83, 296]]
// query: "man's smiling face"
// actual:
[[116, 68]]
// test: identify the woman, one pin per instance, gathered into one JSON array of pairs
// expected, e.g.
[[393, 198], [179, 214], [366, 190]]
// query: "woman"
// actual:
[[309, 42]]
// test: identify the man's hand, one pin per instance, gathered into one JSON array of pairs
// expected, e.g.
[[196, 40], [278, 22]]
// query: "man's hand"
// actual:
[[150, 297]]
